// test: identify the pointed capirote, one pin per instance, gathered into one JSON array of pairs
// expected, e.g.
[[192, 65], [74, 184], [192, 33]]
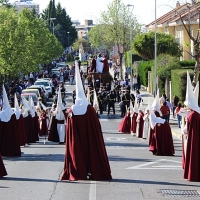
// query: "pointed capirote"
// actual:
[[7, 111], [88, 95], [196, 91], [95, 101], [81, 102], [31, 106], [16, 109], [156, 103], [190, 99], [59, 107]]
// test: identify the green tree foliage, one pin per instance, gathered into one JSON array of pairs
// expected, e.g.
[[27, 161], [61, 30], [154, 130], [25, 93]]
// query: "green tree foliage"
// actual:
[[114, 25], [166, 44], [24, 42], [62, 23]]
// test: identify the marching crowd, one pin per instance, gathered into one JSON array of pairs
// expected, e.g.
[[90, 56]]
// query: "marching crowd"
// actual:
[[23, 126]]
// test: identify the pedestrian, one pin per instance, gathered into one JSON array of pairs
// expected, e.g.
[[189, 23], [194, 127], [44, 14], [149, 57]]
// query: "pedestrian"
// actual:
[[165, 111], [179, 117], [85, 155], [31, 78], [140, 122], [111, 102], [175, 104], [61, 76], [146, 128]]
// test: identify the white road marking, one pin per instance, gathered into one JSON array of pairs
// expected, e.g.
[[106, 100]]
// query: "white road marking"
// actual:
[[164, 166], [92, 193], [115, 139], [122, 147]]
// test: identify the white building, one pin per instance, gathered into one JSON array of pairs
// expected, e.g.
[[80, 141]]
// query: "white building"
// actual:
[[20, 5]]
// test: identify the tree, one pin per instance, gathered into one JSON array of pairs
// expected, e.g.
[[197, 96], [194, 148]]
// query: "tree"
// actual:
[[144, 45], [115, 24]]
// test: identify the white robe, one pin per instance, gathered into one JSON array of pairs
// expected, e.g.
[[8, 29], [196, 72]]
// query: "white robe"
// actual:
[[99, 64], [146, 128]]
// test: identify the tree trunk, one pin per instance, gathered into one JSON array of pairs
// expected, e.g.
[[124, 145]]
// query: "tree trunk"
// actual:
[[196, 70], [121, 68]]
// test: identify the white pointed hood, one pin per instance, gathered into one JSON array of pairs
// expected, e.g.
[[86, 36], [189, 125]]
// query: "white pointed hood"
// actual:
[[156, 103], [190, 100], [141, 107], [25, 107], [95, 101], [155, 120], [196, 91], [81, 102], [59, 108], [88, 95], [131, 107], [7, 111], [32, 107], [17, 109], [135, 108]]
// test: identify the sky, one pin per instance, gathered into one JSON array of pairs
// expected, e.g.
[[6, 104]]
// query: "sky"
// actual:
[[144, 10]]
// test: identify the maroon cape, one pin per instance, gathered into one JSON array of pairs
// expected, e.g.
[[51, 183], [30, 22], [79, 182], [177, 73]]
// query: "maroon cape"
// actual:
[[43, 128], [53, 134], [140, 125], [36, 127], [162, 141], [2, 168], [30, 129], [125, 124], [134, 123], [85, 148], [21, 131], [9, 145], [192, 160]]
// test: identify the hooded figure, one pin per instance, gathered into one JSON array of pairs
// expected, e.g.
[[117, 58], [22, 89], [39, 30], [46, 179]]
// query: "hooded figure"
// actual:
[[3, 171], [134, 116], [191, 164], [60, 117], [21, 131], [161, 141], [156, 105], [146, 127], [140, 121], [85, 156], [95, 101], [9, 145], [196, 91]]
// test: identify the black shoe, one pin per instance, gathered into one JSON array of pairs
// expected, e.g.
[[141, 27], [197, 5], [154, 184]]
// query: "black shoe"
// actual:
[[61, 143]]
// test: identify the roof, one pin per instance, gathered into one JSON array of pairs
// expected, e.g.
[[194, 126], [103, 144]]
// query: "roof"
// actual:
[[188, 12]]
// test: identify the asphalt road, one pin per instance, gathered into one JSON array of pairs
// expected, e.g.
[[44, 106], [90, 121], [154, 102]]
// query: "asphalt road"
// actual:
[[137, 174]]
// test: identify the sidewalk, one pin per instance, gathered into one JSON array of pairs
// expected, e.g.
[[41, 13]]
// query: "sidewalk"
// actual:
[[146, 96]]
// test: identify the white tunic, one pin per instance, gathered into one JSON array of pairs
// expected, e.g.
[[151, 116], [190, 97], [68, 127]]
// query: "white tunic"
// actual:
[[146, 128], [99, 64]]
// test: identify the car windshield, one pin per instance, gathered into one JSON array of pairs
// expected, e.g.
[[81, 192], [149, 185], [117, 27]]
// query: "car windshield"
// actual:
[[30, 91], [41, 83], [27, 97]]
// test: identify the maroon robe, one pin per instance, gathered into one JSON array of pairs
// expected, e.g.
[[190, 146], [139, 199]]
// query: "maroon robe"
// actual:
[[192, 160], [162, 141], [9, 145], [21, 131], [134, 123], [85, 148], [2, 168], [43, 127], [53, 133], [125, 124], [36, 127], [140, 125], [30, 130]]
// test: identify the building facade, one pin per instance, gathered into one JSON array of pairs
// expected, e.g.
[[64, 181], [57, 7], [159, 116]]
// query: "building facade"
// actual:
[[20, 5], [172, 23]]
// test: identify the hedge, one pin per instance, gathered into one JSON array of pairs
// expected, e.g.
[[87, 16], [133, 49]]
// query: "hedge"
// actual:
[[179, 83]]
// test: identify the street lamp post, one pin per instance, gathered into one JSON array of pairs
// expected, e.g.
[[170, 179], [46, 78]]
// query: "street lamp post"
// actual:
[[155, 51], [68, 39], [131, 47], [53, 23]]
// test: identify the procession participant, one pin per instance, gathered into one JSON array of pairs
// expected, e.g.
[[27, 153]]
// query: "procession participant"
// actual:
[[140, 121], [192, 159], [88, 95], [125, 124], [134, 114], [105, 64], [93, 64], [61, 76], [43, 123], [21, 132], [3, 171], [111, 102], [35, 122], [146, 128], [100, 100], [99, 64], [95, 102], [48, 116], [156, 105], [161, 141], [9, 145], [85, 156], [117, 91], [132, 96]]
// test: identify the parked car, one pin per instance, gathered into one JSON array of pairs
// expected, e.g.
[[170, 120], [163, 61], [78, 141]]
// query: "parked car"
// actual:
[[33, 95], [34, 91], [44, 95], [56, 71], [46, 84]]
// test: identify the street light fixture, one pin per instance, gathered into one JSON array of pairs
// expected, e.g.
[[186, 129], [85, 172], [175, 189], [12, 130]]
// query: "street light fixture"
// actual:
[[68, 39], [52, 23], [129, 5]]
